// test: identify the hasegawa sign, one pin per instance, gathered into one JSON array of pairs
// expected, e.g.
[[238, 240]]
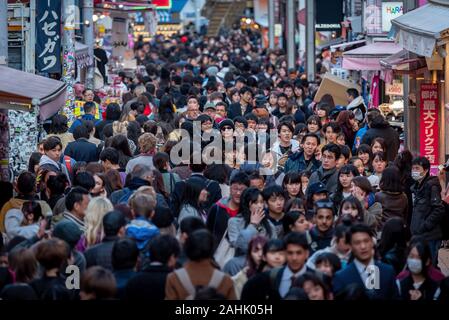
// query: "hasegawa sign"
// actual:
[[390, 10]]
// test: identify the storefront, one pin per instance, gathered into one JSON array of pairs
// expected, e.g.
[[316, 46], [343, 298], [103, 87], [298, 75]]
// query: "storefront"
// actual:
[[424, 33], [26, 100]]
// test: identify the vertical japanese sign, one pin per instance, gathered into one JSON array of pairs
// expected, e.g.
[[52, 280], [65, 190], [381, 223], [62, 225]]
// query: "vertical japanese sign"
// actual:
[[428, 119], [48, 38]]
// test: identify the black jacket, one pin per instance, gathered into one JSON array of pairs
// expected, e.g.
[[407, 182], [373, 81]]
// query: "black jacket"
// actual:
[[427, 288], [82, 150], [235, 110], [148, 284], [265, 286], [217, 220], [380, 128], [428, 209], [211, 186], [101, 254]]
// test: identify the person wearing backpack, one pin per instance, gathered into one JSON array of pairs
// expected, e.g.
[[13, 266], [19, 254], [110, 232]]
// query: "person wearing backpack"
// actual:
[[199, 271]]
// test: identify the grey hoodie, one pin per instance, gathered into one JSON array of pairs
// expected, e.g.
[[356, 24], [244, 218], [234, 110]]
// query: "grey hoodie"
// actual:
[[49, 164]]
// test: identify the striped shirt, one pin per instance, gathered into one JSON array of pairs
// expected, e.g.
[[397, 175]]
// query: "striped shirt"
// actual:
[[80, 223]]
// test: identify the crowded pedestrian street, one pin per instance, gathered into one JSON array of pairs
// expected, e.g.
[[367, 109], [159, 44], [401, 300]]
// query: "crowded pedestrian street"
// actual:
[[227, 150]]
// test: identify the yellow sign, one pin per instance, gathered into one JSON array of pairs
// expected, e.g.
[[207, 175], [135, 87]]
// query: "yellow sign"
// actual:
[[78, 111]]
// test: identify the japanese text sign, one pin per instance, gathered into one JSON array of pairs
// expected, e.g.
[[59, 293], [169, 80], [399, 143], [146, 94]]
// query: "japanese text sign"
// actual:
[[48, 38], [428, 123]]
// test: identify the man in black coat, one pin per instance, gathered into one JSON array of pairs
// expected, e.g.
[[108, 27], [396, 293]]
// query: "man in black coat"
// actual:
[[149, 284], [380, 128], [276, 283], [81, 149], [428, 209], [114, 223], [244, 106]]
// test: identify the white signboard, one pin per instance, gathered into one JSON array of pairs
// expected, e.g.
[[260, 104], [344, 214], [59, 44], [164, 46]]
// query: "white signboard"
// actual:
[[278, 30], [394, 89], [390, 10]]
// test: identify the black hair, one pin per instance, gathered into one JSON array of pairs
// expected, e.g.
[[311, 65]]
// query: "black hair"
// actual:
[[273, 245], [330, 258], [124, 254], [241, 119], [394, 234], [391, 180], [133, 131], [85, 180], [75, 195], [333, 148], [251, 116], [51, 143], [199, 245], [297, 238], [345, 219], [89, 124], [273, 190], [59, 124], [191, 224], [34, 208], [352, 92], [249, 196], [422, 246], [81, 131], [291, 177], [345, 151], [381, 155], [358, 228], [294, 202], [364, 148], [316, 119], [110, 154], [421, 161], [346, 169], [241, 178], [217, 172], [245, 89], [34, 160], [286, 124], [335, 127], [162, 247], [57, 184], [89, 107], [26, 183], [113, 112], [191, 193], [310, 135], [289, 219]]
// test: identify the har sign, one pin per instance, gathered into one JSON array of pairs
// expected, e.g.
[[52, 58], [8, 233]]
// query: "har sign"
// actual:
[[390, 10]]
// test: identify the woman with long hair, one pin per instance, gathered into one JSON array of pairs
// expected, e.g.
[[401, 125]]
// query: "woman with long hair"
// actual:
[[193, 195], [363, 191], [348, 124], [351, 211], [166, 111], [403, 162], [345, 176], [250, 221], [120, 143], [420, 280], [393, 200], [393, 243], [96, 210], [113, 181]]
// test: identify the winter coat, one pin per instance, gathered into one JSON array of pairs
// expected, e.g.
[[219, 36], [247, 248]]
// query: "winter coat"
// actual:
[[327, 177], [380, 128], [297, 163], [394, 204], [428, 209]]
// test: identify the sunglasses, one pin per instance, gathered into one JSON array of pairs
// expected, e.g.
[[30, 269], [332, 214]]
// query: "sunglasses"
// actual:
[[226, 128]]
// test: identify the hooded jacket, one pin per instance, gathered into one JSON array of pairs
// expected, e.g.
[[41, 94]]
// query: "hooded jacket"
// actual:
[[48, 164], [142, 231], [218, 217], [380, 128], [358, 107], [428, 209]]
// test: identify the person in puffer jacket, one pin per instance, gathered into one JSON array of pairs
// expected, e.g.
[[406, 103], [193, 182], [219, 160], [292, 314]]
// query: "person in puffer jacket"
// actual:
[[428, 208], [141, 229]]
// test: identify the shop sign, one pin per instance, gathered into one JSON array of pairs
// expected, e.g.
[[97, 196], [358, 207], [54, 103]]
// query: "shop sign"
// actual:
[[48, 36], [373, 17], [278, 30], [428, 123], [329, 15], [394, 89], [162, 4], [390, 10]]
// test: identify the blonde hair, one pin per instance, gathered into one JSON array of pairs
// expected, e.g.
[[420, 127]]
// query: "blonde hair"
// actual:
[[147, 142], [120, 127], [96, 210]]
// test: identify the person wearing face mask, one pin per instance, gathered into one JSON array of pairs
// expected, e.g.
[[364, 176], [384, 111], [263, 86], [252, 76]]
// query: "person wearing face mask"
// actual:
[[428, 209], [420, 281]]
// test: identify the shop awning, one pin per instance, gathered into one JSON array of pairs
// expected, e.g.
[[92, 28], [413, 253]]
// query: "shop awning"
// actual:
[[83, 59], [401, 61], [368, 57], [343, 46], [419, 30], [20, 90]]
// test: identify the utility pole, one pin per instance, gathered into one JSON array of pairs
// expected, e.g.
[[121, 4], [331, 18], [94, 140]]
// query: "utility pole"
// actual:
[[68, 43], [88, 31], [291, 14], [271, 23], [3, 32], [310, 40]]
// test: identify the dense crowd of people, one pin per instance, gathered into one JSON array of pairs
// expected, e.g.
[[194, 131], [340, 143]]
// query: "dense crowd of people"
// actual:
[[220, 176]]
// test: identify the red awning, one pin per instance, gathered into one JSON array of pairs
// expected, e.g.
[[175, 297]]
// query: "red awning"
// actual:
[[21, 90], [368, 57]]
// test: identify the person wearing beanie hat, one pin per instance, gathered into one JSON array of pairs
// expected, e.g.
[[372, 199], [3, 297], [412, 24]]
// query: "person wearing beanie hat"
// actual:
[[114, 223], [69, 232]]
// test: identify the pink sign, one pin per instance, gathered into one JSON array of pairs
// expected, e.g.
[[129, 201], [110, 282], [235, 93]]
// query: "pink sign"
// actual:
[[428, 126], [422, 2]]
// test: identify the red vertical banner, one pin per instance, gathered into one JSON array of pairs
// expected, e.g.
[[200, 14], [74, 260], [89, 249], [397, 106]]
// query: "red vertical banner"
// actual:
[[428, 124]]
